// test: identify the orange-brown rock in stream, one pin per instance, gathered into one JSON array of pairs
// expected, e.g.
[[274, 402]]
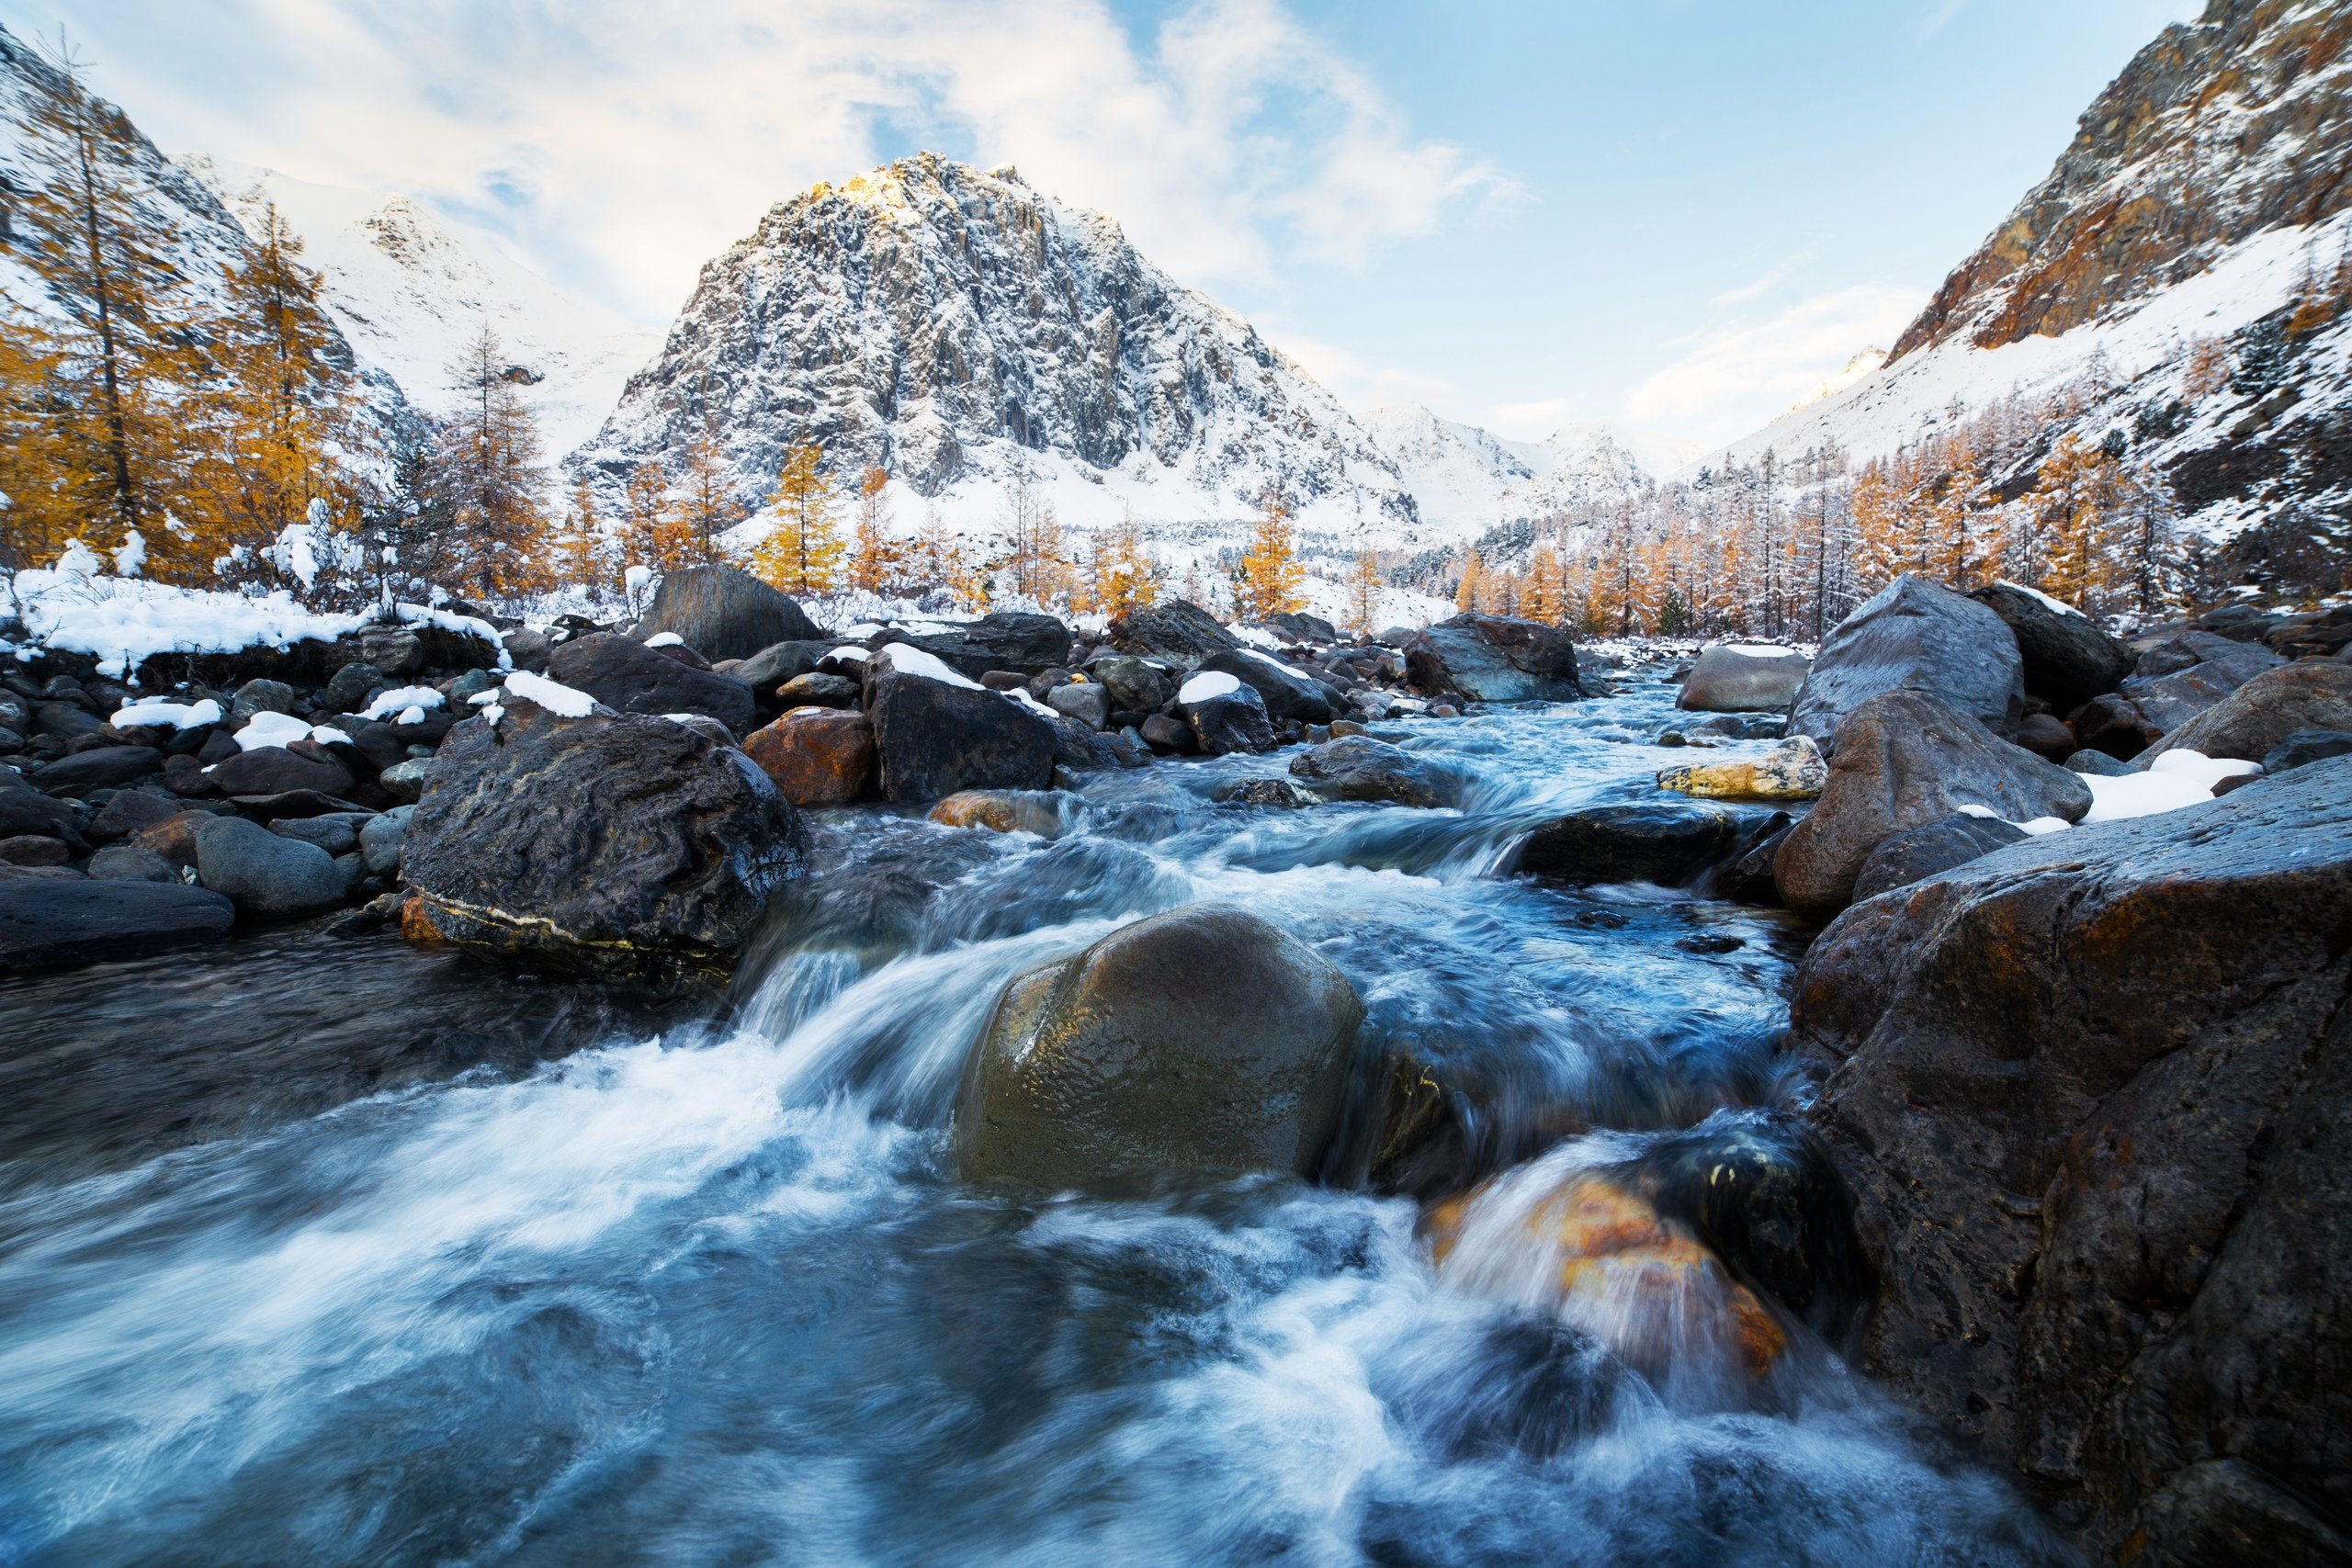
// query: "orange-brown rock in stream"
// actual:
[[816, 756], [1625, 1273]]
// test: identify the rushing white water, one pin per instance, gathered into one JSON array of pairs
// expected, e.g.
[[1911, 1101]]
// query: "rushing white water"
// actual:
[[710, 1296]]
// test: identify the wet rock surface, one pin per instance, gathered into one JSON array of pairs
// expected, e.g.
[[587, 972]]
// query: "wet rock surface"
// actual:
[[1915, 636], [616, 844], [1494, 658], [2091, 1093]]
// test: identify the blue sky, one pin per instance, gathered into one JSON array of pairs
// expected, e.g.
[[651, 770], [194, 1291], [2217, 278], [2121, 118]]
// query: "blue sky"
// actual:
[[1680, 215]]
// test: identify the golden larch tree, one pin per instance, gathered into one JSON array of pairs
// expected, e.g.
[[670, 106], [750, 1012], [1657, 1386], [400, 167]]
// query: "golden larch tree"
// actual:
[[802, 554], [876, 558], [1271, 575]]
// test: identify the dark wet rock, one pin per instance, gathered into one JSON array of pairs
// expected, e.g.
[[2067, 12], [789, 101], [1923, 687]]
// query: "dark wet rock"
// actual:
[[722, 613], [614, 843], [933, 737], [1928, 849], [33, 849], [1205, 1042], [628, 677], [406, 781], [779, 662], [1493, 659], [381, 838], [1164, 732], [24, 809], [1300, 626], [2046, 736], [1016, 640], [1669, 844], [1730, 678], [295, 803], [2093, 1092], [2305, 747], [1267, 791], [684, 652], [817, 689], [351, 687], [1086, 703], [128, 863], [1287, 693], [261, 873], [1759, 1188], [337, 832], [1048, 813], [1226, 721], [2068, 658], [1915, 636], [1136, 685], [1361, 768], [527, 649], [816, 756], [102, 767], [2257, 718], [2175, 681], [1079, 747], [263, 696], [1176, 632], [395, 650], [174, 838], [1904, 760], [274, 769], [2114, 726], [56, 922]]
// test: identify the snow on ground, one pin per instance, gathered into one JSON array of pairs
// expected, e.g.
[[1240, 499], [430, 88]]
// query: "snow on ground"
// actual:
[[122, 621]]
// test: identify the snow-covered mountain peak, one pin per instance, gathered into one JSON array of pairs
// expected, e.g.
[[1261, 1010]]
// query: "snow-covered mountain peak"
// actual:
[[954, 327]]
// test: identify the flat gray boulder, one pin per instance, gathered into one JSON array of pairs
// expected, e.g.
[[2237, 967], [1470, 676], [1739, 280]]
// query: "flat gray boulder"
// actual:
[[1733, 677], [56, 923]]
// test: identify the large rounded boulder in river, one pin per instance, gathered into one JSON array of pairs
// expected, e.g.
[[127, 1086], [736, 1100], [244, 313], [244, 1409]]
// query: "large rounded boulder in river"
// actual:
[[611, 844], [722, 612], [2093, 1094], [1915, 636], [937, 731], [2255, 719], [628, 677], [1494, 658], [2068, 658], [1205, 1042], [1733, 677], [1905, 760]]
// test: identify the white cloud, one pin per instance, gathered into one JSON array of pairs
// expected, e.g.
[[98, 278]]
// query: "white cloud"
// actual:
[[1360, 387], [622, 144], [1762, 286], [1936, 20], [1735, 380]]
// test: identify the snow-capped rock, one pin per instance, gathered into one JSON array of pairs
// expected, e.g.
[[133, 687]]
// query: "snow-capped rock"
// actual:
[[948, 325], [410, 295]]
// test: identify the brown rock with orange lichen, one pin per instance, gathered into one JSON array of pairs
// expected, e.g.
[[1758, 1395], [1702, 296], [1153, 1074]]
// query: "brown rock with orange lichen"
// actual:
[[816, 756], [1615, 1268]]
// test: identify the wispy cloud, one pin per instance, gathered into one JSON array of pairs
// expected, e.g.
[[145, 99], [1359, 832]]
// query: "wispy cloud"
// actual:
[[1360, 386], [1735, 379], [1944, 12], [624, 143], [1764, 285]]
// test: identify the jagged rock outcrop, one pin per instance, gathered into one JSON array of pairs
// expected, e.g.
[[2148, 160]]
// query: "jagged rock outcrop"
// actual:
[[941, 323]]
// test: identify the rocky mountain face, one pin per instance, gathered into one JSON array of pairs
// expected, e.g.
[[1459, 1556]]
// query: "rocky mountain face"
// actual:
[[410, 295], [947, 324], [2178, 289], [2219, 130]]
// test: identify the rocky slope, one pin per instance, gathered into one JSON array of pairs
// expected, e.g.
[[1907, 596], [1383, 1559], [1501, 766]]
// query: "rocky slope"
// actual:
[[2201, 210], [409, 295], [949, 325]]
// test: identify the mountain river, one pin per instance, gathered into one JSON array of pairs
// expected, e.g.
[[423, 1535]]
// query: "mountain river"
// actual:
[[332, 1251]]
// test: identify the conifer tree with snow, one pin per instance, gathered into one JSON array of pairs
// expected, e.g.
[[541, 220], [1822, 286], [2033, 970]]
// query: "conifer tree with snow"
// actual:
[[802, 553], [1365, 584], [1122, 576], [655, 531], [705, 507], [876, 558], [485, 469]]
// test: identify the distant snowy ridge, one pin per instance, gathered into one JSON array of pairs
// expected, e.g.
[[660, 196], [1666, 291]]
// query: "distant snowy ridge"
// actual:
[[951, 326], [1466, 479], [409, 295]]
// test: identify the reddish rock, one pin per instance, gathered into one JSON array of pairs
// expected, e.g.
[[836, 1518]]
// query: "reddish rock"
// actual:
[[816, 756]]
